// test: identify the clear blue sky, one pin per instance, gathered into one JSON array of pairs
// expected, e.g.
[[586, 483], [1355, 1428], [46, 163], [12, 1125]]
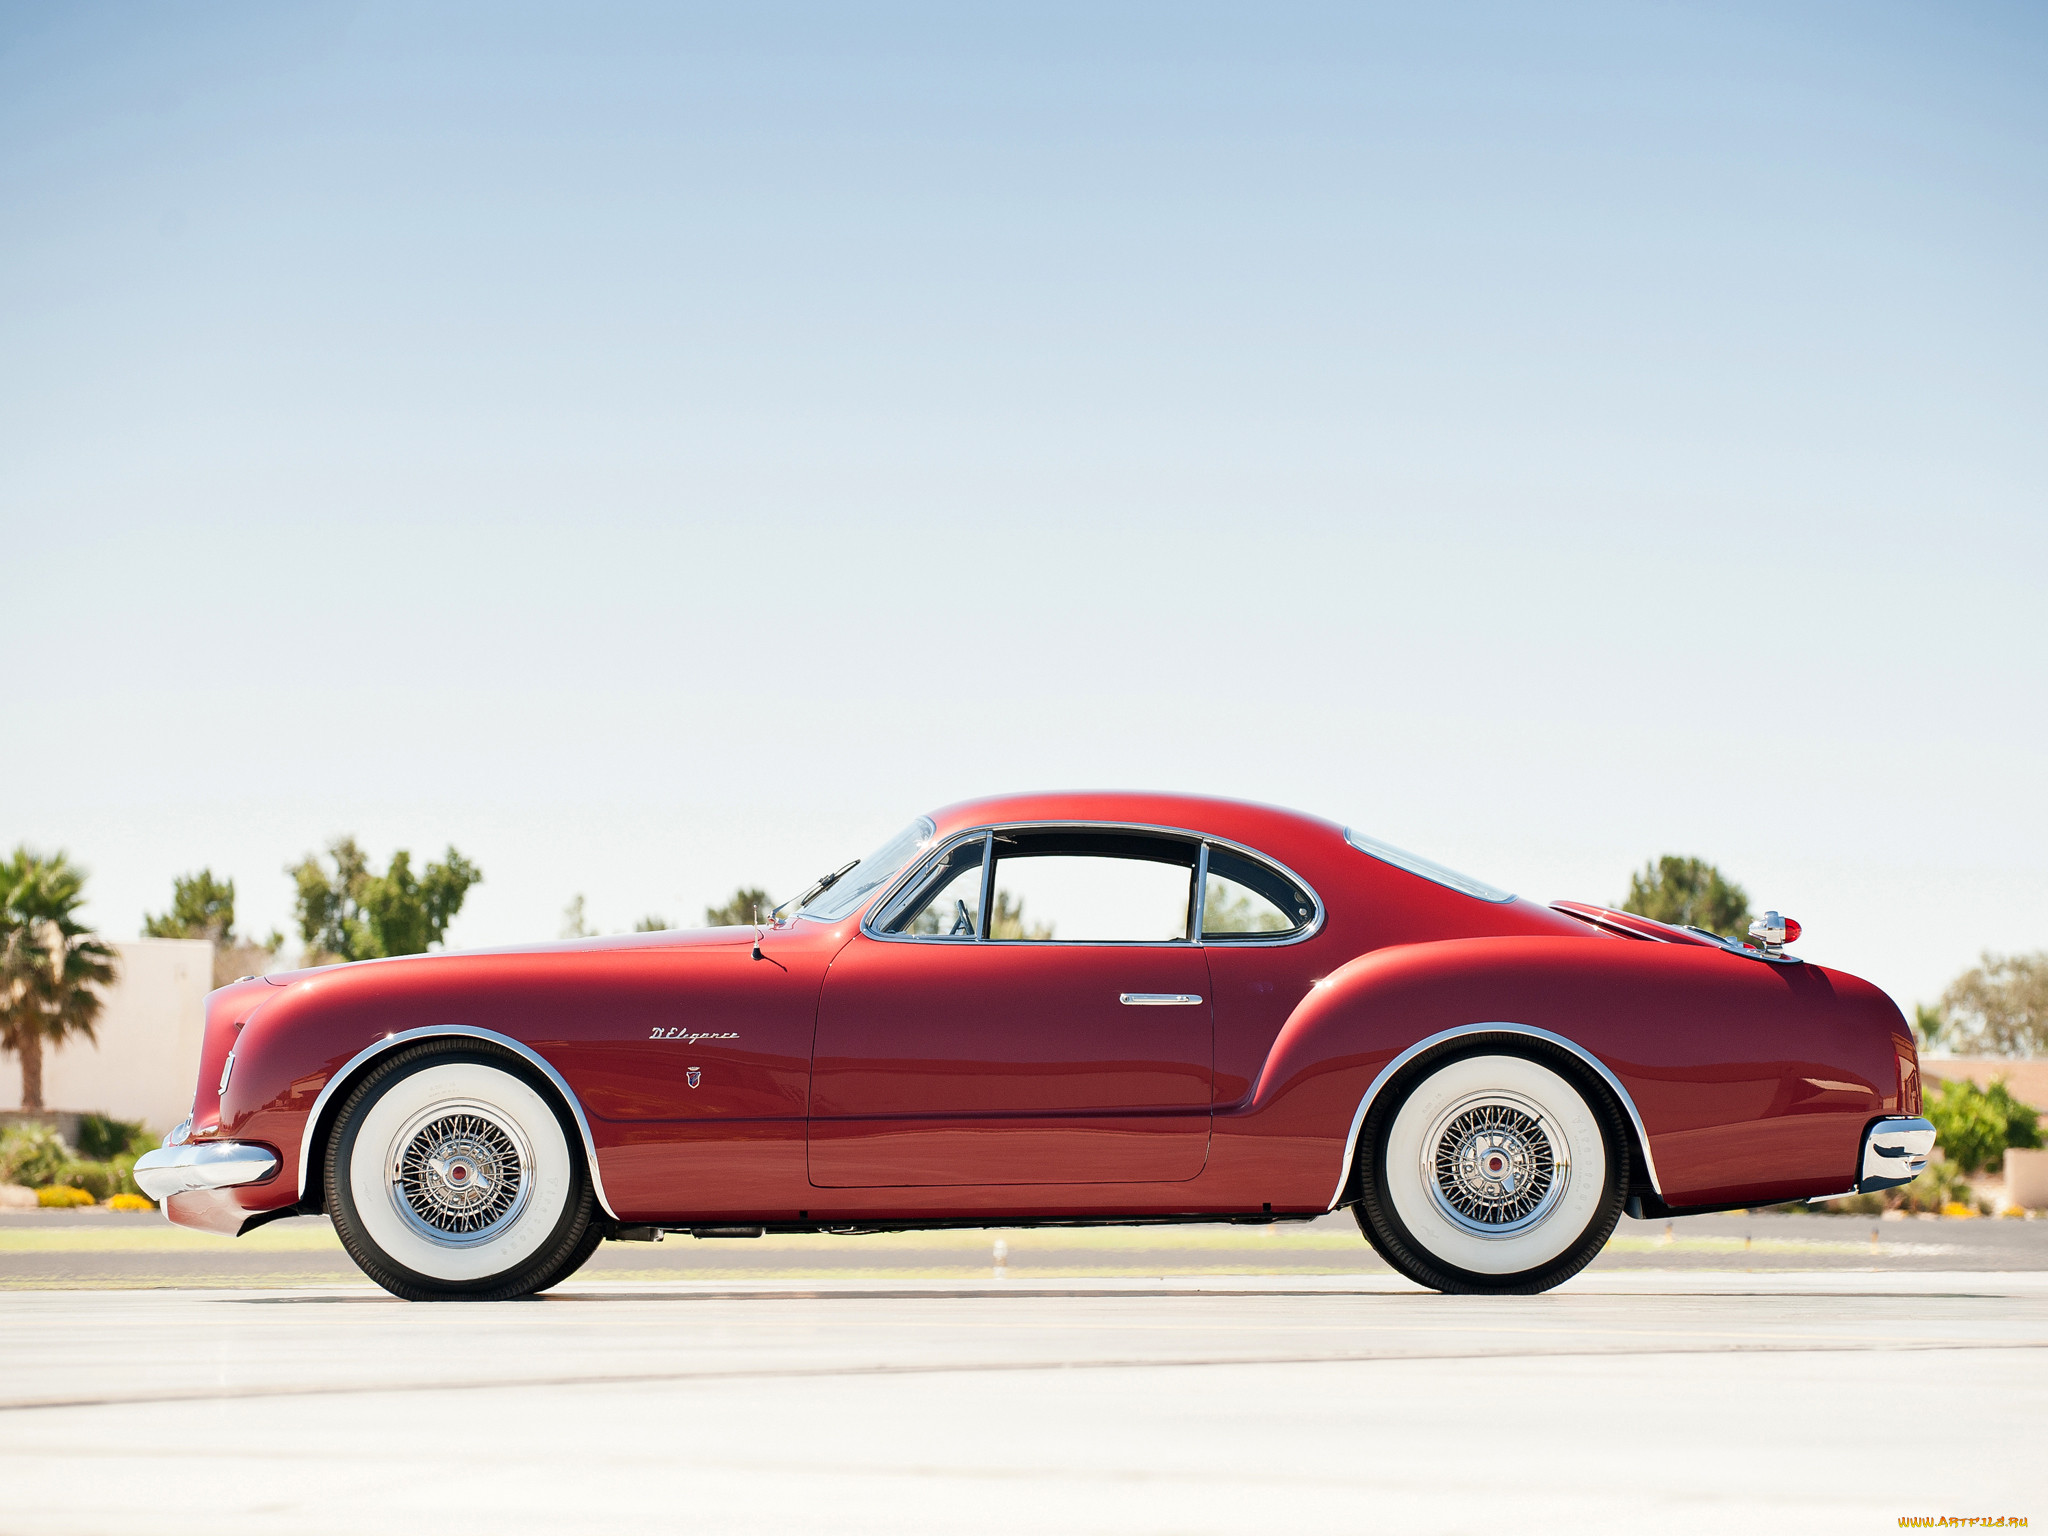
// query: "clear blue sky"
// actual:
[[659, 447]]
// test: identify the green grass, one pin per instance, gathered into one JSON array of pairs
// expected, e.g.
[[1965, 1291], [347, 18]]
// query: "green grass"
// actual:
[[1037, 1253], [152, 1234]]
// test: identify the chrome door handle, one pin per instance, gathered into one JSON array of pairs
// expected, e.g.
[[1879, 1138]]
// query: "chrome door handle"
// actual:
[[1157, 999]]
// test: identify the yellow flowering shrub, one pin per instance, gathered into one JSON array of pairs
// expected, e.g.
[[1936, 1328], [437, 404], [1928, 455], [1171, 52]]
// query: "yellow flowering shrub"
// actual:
[[61, 1195], [99, 1180], [128, 1202]]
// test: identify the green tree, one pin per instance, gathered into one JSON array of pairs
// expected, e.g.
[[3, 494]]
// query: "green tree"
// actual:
[[201, 908], [1975, 1125], [53, 969], [1940, 1185], [102, 1138], [1999, 1007], [574, 923], [1231, 909], [354, 913], [1929, 1028], [332, 924], [1007, 920], [1691, 893], [747, 904], [204, 908]]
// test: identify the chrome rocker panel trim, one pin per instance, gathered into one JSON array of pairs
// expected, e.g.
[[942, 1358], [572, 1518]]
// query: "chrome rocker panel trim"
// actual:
[[178, 1170], [1387, 1072], [456, 1032]]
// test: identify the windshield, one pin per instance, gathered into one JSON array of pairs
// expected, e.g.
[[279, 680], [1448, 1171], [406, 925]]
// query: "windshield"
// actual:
[[877, 869]]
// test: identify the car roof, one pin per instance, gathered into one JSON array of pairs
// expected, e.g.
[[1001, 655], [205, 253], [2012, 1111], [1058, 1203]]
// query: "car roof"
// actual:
[[1369, 901], [1272, 830]]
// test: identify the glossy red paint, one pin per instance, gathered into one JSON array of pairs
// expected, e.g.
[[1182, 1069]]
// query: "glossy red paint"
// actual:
[[843, 1078], [1753, 1081], [1009, 1064]]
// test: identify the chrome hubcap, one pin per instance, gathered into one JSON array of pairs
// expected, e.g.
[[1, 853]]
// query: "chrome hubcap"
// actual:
[[1494, 1165], [460, 1173]]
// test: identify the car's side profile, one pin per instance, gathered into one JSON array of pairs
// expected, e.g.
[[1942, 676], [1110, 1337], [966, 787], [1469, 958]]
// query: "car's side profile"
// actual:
[[1074, 1008]]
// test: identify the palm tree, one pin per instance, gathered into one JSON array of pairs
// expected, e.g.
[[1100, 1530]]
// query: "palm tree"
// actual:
[[52, 968]]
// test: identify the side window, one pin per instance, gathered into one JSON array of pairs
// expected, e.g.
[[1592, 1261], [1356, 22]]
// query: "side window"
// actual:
[[944, 901], [1247, 899], [1085, 886]]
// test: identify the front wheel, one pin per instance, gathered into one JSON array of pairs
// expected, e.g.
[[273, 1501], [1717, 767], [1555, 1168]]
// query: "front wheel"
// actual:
[[1492, 1173], [452, 1174]]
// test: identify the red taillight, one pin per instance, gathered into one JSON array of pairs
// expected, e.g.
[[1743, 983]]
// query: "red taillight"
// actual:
[[1773, 932]]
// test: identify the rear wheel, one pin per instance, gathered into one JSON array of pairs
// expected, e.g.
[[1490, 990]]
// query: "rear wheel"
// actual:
[[1492, 1173], [453, 1173]]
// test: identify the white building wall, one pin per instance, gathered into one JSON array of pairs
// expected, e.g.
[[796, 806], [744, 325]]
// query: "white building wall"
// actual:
[[146, 1063]]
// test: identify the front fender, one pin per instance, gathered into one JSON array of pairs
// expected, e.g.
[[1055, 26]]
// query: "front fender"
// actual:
[[1745, 1081], [318, 1031]]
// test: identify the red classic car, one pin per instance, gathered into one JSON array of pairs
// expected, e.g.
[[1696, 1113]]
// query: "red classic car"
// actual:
[[1055, 1010]]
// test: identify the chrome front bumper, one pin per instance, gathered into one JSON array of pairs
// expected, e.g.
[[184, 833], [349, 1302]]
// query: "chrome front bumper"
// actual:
[[1895, 1152], [202, 1165]]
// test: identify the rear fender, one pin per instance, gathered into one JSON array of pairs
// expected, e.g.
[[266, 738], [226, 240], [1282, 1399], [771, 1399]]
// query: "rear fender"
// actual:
[[1445, 1042], [1738, 1078]]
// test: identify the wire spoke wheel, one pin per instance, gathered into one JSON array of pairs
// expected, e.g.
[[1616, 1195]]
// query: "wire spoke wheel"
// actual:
[[1494, 1166], [460, 1173], [1491, 1172], [452, 1173]]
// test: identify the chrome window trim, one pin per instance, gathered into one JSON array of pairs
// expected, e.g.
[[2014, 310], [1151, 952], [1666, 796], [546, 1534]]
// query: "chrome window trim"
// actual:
[[1188, 834], [988, 885], [905, 878], [910, 862], [1236, 940], [1497, 1028], [901, 887], [459, 1032], [1201, 901]]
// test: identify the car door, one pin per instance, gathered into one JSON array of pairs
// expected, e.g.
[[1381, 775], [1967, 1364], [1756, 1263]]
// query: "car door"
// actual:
[[1255, 917], [1029, 1009]]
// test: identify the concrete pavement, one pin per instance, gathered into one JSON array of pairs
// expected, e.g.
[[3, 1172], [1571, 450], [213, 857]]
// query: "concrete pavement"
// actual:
[[1824, 1401], [109, 1249]]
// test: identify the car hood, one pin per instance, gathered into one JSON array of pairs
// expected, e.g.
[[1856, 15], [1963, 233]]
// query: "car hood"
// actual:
[[667, 938]]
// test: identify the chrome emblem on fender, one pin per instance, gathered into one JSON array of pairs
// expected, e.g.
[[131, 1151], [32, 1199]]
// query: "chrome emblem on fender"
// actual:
[[696, 1075]]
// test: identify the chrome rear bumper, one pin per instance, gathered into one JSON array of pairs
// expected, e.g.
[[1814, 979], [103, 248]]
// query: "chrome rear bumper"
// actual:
[[1895, 1152], [202, 1165]]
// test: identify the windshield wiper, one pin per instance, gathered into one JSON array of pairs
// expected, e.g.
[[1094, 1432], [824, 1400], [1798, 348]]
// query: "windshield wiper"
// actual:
[[824, 883]]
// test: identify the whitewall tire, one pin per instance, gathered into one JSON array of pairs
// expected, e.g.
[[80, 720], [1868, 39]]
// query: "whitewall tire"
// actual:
[[1491, 1172], [451, 1172]]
